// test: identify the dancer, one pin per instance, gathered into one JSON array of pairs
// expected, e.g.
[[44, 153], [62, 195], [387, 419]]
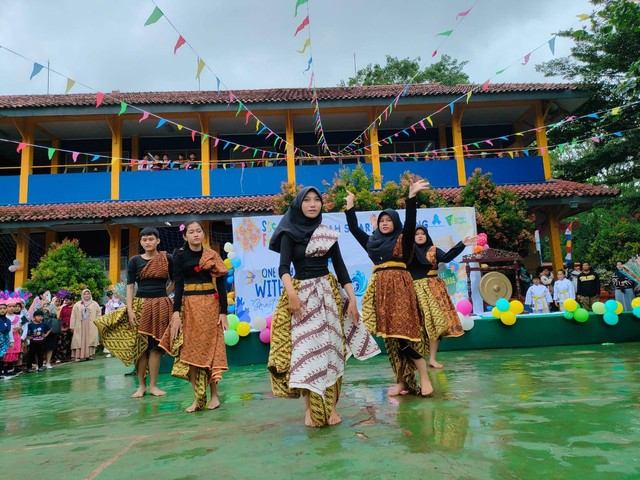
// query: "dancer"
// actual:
[[562, 290], [538, 297], [195, 336], [311, 334], [13, 353], [389, 305], [132, 333], [439, 313], [85, 333]]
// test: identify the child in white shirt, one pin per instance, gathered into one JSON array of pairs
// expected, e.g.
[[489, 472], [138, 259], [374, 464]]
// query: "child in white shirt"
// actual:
[[538, 297], [562, 290]]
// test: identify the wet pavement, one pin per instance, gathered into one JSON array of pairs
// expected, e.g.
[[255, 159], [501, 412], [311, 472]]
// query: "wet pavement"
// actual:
[[539, 413]]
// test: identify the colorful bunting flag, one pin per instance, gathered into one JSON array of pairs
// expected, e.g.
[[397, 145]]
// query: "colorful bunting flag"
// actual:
[[37, 68], [615, 111], [307, 43], [161, 122], [70, 84], [463, 14], [304, 23], [145, 115], [200, 67], [99, 98], [123, 108], [181, 41], [298, 4], [445, 33], [193, 135], [154, 17], [583, 17], [95, 157], [21, 146], [469, 95], [50, 152], [552, 45], [308, 65], [485, 86], [74, 156], [526, 58], [435, 52]]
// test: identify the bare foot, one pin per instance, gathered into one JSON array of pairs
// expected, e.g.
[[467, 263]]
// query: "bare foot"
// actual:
[[214, 403], [396, 389], [193, 407], [156, 392], [435, 364], [307, 419], [426, 389], [139, 393], [334, 418]]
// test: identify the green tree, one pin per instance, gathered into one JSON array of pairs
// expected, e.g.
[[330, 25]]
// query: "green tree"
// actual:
[[447, 71], [67, 267]]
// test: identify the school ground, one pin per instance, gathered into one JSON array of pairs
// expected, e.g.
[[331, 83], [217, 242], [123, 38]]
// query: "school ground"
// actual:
[[551, 413]]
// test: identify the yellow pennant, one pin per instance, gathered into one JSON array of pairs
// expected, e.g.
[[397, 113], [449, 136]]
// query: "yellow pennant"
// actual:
[[510, 154], [469, 95], [200, 67], [236, 147], [430, 121], [179, 127], [615, 111], [306, 44], [583, 17], [257, 125]]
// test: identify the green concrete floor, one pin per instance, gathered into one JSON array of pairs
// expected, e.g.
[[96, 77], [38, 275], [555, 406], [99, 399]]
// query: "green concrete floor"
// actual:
[[543, 413]]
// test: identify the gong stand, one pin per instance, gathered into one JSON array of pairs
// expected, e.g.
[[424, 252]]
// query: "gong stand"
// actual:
[[496, 261]]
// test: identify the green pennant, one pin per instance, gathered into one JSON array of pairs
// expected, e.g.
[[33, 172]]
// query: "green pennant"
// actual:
[[561, 147], [239, 107], [204, 138], [255, 152], [500, 71], [123, 108], [475, 144], [298, 3], [50, 152], [154, 17], [445, 33]]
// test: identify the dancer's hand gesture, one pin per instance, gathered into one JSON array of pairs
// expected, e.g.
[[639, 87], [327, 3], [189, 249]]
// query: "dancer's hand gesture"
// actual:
[[352, 312], [351, 200], [222, 320], [176, 325], [471, 240], [295, 305], [418, 186]]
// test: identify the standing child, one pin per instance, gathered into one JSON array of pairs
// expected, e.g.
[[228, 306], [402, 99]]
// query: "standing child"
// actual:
[[6, 337], [538, 297], [562, 290], [37, 333], [13, 353], [546, 278]]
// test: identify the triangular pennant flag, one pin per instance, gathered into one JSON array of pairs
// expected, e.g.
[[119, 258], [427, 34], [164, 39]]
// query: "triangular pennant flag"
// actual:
[[463, 14], [595, 139], [224, 166], [123, 108], [239, 107], [451, 107], [526, 58], [307, 43], [247, 117], [469, 95], [617, 134], [615, 111], [475, 144], [95, 157], [445, 34], [21, 147], [311, 80], [37, 68], [226, 144], [215, 143], [180, 127], [561, 147], [257, 125], [217, 84], [489, 142], [70, 84], [145, 115], [304, 23], [255, 152], [485, 86], [435, 52], [552, 45], [430, 121], [592, 115], [204, 138], [504, 138], [308, 65], [510, 154], [193, 135], [231, 98], [181, 41], [422, 124], [74, 156], [583, 17], [526, 152], [154, 17], [50, 152], [236, 147], [200, 67], [501, 71], [99, 98], [298, 3], [161, 122]]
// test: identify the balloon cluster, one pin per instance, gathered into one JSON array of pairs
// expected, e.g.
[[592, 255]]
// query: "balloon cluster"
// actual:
[[507, 310], [573, 310], [237, 328], [263, 325], [464, 308], [481, 244], [231, 262], [15, 266], [635, 305]]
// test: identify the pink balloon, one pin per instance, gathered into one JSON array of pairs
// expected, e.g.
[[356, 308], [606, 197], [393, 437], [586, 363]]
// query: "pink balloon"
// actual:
[[485, 246], [482, 239], [265, 335], [464, 307], [268, 319]]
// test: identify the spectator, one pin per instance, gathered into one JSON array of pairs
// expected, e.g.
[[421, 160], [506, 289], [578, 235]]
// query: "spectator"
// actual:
[[538, 297], [113, 304], [85, 333], [525, 279], [37, 333], [546, 278], [180, 163], [157, 163], [573, 275], [166, 162], [51, 317], [12, 355], [562, 290], [63, 349], [588, 287], [6, 333], [192, 163], [623, 286]]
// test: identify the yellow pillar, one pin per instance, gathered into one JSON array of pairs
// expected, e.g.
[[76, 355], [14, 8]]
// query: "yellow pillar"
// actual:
[[134, 241], [115, 245], [26, 159], [206, 226], [456, 129], [49, 238], [291, 159], [205, 155], [115, 124], [375, 150], [541, 140], [553, 224], [55, 160], [22, 254], [135, 151]]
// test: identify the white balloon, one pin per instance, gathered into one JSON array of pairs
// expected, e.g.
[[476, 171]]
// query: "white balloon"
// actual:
[[258, 323], [231, 254], [12, 268], [16, 262], [228, 247], [466, 322]]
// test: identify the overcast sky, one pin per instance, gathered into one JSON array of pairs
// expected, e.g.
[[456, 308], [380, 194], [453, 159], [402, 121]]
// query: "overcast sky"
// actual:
[[250, 43]]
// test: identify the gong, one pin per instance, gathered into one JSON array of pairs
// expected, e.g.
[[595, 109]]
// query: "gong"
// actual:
[[493, 286]]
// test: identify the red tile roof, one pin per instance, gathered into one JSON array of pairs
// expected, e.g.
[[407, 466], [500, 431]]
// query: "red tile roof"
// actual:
[[271, 95], [106, 211]]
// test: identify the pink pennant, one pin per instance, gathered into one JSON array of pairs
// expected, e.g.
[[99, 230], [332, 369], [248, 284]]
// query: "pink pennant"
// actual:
[[132, 162], [145, 115], [543, 149], [435, 52], [526, 58], [311, 81], [422, 125], [215, 143], [245, 149], [395, 103], [595, 139], [463, 14], [489, 142], [99, 98], [270, 133], [21, 147], [485, 87], [193, 135], [181, 41], [231, 97], [247, 117], [74, 156], [304, 23], [413, 128]]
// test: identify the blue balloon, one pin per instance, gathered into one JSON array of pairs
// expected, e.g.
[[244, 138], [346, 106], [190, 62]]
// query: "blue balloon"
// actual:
[[636, 312], [502, 304], [610, 318], [230, 279], [611, 305], [236, 262], [231, 309]]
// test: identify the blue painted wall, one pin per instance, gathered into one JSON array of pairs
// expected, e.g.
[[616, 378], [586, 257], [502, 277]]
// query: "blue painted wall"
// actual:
[[9, 189], [440, 173], [314, 175], [252, 181], [508, 170], [68, 188], [147, 185]]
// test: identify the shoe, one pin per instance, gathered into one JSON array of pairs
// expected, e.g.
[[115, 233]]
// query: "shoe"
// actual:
[[57, 361], [48, 366], [29, 370], [41, 369]]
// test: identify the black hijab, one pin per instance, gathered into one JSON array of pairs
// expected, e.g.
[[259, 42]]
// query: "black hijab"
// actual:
[[420, 251], [295, 224], [380, 246]]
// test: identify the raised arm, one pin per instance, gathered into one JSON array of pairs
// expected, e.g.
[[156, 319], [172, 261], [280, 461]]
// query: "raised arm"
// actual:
[[409, 229], [352, 221], [456, 249]]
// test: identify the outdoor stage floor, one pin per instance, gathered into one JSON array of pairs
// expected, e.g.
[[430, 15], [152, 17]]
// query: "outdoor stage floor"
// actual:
[[539, 413]]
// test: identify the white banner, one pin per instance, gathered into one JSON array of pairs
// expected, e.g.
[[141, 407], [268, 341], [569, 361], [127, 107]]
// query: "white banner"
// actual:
[[258, 286]]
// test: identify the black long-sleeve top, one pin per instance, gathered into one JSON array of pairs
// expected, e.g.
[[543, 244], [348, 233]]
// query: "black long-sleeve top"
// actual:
[[588, 284], [419, 270], [5, 325], [148, 287], [620, 282], [185, 263], [310, 267], [408, 230]]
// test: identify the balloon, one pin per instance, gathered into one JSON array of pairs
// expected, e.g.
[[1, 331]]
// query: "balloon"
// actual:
[[477, 249], [611, 305], [464, 307], [233, 321], [231, 255], [466, 322], [16, 262], [503, 304], [12, 268], [230, 279], [227, 262], [581, 315], [482, 239], [610, 318], [485, 247], [236, 262], [243, 329], [636, 311], [598, 308], [231, 337], [516, 307], [265, 335], [258, 323], [570, 305], [228, 247], [568, 315], [618, 309], [231, 309], [495, 312], [231, 294], [635, 302], [268, 320], [508, 318], [19, 267]]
